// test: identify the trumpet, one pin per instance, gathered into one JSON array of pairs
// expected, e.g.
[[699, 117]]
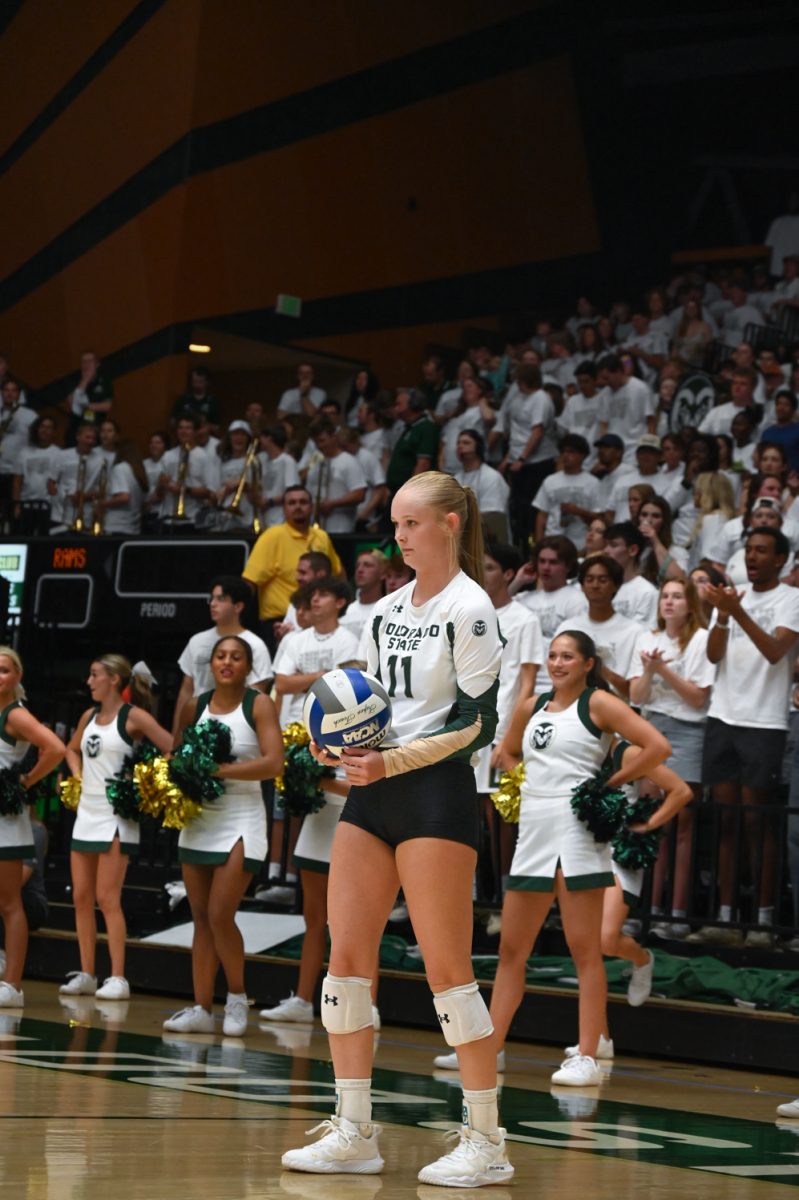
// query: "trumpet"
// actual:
[[98, 512], [78, 524], [183, 470], [250, 459], [257, 527]]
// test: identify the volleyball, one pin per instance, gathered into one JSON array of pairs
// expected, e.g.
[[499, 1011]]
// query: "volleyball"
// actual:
[[347, 708]]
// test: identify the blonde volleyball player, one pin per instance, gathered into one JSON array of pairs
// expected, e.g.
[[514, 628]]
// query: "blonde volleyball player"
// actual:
[[223, 847], [19, 729], [101, 841], [564, 737], [411, 820]]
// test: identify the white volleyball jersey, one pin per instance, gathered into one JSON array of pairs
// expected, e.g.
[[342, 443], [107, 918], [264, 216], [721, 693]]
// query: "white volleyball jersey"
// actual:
[[439, 662], [561, 749], [103, 749], [243, 738]]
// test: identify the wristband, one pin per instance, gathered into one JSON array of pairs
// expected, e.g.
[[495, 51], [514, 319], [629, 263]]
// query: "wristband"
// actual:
[[723, 624]]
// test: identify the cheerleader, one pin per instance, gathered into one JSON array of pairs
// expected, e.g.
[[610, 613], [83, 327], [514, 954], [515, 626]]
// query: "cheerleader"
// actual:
[[223, 847], [19, 729], [102, 842], [412, 819], [626, 891], [564, 737]]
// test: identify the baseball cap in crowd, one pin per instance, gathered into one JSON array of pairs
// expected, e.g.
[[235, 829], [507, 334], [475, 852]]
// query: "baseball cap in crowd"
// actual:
[[611, 439], [649, 441], [234, 425], [768, 502]]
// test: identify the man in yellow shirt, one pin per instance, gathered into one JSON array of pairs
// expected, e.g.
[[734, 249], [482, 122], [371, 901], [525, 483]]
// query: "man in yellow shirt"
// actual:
[[272, 566]]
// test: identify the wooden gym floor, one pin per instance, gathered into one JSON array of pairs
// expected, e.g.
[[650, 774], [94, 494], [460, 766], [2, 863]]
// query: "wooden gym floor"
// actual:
[[96, 1103]]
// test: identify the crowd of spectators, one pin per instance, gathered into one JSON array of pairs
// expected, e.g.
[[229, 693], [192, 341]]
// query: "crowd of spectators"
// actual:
[[638, 460]]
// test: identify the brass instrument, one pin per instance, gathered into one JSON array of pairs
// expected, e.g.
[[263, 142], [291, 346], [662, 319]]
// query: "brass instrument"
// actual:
[[256, 495], [249, 458], [183, 470], [98, 512], [78, 524]]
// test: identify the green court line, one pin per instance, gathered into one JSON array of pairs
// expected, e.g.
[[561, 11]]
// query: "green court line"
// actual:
[[567, 1120]]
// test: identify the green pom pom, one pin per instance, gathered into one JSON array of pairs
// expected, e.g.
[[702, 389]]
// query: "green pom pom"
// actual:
[[12, 793], [637, 851], [599, 807], [301, 782], [203, 748]]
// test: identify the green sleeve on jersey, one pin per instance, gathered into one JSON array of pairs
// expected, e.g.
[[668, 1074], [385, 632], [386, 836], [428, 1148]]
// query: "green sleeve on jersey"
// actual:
[[467, 711]]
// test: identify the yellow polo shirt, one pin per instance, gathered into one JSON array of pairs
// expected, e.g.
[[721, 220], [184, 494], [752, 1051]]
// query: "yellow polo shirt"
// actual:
[[272, 565]]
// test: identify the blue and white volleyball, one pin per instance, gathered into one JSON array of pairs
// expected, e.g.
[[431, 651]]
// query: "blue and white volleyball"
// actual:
[[347, 709]]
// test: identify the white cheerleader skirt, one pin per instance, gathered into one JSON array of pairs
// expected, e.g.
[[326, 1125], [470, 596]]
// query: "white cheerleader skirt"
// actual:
[[96, 826], [235, 817], [315, 843], [552, 837], [16, 837], [631, 883]]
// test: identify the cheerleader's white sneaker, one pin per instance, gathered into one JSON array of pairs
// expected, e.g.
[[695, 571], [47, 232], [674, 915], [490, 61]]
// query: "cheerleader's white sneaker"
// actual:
[[640, 985], [343, 1149], [580, 1071], [449, 1062], [79, 984], [114, 988], [237, 1014], [604, 1050], [476, 1161], [292, 1008], [190, 1020], [10, 997], [789, 1110]]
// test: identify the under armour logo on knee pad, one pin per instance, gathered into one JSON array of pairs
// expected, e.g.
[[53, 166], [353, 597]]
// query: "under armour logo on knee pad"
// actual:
[[331, 999], [442, 1018]]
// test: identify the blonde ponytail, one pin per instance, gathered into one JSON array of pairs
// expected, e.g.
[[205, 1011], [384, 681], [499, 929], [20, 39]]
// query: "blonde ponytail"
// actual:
[[444, 494]]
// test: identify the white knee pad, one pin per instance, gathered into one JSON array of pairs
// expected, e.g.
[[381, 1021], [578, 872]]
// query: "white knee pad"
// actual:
[[346, 1004], [462, 1014]]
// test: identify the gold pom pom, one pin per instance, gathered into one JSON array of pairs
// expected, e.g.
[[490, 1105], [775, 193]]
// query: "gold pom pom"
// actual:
[[295, 734], [507, 798], [151, 779], [70, 792]]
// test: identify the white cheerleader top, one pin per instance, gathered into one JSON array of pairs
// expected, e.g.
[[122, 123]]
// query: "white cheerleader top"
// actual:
[[11, 750], [243, 738], [561, 749], [103, 750]]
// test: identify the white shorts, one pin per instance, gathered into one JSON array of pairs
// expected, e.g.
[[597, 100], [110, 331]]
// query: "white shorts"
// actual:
[[210, 837], [16, 837], [96, 826], [315, 843], [551, 836]]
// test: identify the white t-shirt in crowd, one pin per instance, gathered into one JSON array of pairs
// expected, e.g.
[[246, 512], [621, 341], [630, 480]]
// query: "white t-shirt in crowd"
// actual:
[[523, 645], [615, 640], [127, 518], [332, 478], [290, 400], [488, 486], [692, 664], [36, 466], [581, 415], [305, 651], [552, 609], [195, 661], [637, 600], [519, 415], [626, 411], [582, 489], [470, 418], [277, 474], [750, 691], [357, 616], [719, 420], [619, 497]]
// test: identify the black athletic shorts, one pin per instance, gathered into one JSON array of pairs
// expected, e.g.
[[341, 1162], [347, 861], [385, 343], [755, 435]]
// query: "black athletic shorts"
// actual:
[[738, 754], [439, 801]]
